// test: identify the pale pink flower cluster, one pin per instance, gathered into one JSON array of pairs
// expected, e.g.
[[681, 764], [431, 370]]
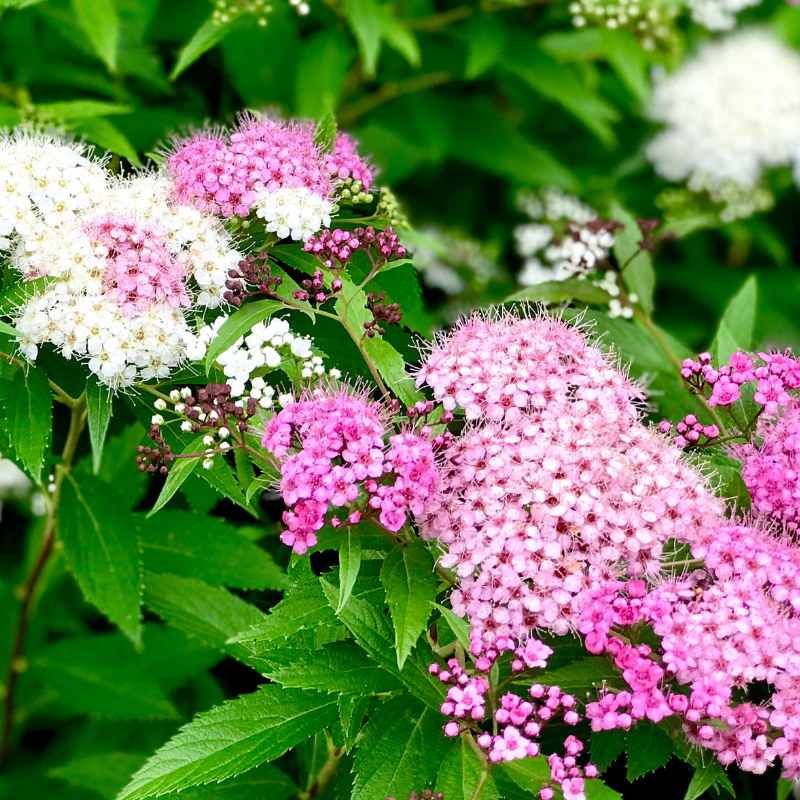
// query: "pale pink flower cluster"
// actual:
[[345, 163], [140, 269], [332, 451]]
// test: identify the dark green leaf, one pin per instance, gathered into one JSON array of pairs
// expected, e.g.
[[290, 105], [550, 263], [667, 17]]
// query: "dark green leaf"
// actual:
[[735, 330], [101, 549], [530, 774], [29, 416], [458, 625], [367, 21], [100, 131], [411, 587], [648, 748], [606, 747], [206, 37], [560, 291], [352, 709], [179, 470], [105, 774], [206, 548], [636, 264], [349, 563], [581, 675], [99, 409], [707, 777], [233, 738], [460, 773], [72, 110]]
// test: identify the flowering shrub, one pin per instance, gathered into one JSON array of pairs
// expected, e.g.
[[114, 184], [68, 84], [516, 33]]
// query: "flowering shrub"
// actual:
[[302, 500]]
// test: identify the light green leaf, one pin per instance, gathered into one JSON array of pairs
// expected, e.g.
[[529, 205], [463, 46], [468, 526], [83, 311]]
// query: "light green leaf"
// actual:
[[530, 774], [637, 270], [349, 564], [735, 330], [100, 131], [29, 417], [784, 789], [339, 667], [8, 330], [105, 774], [411, 587], [401, 750], [100, 675], [71, 110], [460, 773], [99, 408], [320, 76], [710, 776], [559, 291], [366, 21], [101, 549], [206, 37], [239, 324], [209, 549], [458, 625], [179, 470], [100, 21], [648, 748], [486, 42], [400, 38], [19, 294], [204, 612], [233, 738]]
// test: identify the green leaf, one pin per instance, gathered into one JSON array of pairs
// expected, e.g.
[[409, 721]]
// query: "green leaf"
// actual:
[[99, 409], [581, 675], [411, 587], [367, 22], [349, 564], [179, 470], [100, 131], [206, 37], [100, 21], [339, 667], [735, 330], [239, 324], [596, 790], [460, 773], [606, 747], [352, 709], [209, 549], [29, 417], [458, 625], [100, 675], [784, 789], [321, 72], [530, 774], [71, 110], [401, 750], [101, 549], [638, 275], [486, 39], [708, 777], [20, 293], [326, 130], [233, 738], [648, 748], [105, 774], [373, 631], [9, 330], [559, 291], [204, 612]]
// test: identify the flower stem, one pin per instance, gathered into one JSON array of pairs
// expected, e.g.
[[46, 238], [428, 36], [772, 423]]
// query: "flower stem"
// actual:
[[16, 666]]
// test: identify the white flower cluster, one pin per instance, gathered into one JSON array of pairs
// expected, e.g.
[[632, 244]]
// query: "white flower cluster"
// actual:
[[266, 347], [51, 196], [718, 15], [730, 112], [650, 20], [293, 211], [566, 256], [43, 183], [225, 11]]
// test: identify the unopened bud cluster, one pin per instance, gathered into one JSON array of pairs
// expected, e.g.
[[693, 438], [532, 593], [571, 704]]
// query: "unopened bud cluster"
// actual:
[[651, 20], [335, 248]]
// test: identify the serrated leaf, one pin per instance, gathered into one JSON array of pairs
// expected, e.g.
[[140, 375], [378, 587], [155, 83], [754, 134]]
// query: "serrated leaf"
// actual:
[[100, 21], [349, 564], [373, 631], [203, 612], [606, 747], [460, 774], [648, 748], [458, 625], [581, 675], [233, 738], [208, 549], [239, 324], [179, 470], [736, 327], [530, 774], [707, 777], [401, 750], [101, 549], [339, 667], [352, 709], [209, 35], [597, 790], [29, 418], [411, 587], [560, 291], [100, 675], [637, 269], [303, 606], [105, 774], [99, 408], [326, 130]]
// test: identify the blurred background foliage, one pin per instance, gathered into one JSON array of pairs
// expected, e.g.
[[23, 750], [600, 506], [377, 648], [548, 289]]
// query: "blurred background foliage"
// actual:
[[461, 105]]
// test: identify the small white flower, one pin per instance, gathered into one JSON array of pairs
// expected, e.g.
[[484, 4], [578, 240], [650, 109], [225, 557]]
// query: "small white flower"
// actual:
[[157, 419], [160, 404], [186, 425]]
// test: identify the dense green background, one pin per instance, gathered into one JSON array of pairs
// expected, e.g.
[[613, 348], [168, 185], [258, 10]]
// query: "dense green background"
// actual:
[[461, 106]]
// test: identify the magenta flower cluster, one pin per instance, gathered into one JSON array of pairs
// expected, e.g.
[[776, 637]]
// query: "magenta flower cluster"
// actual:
[[345, 163], [335, 248], [690, 431], [140, 270], [332, 452]]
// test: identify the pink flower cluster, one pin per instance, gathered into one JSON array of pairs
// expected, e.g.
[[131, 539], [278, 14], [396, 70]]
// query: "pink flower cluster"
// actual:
[[771, 470], [226, 174], [345, 163], [777, 373], [140, 269], [335, 248], [332, 454], [690, 431]]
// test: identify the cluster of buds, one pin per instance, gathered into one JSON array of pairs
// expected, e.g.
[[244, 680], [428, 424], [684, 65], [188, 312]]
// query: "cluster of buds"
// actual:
[[382, 311], [335, 248], [253, 271], [689, 432], [314, 291], [648, 228], [418, 415], [211, 411]]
